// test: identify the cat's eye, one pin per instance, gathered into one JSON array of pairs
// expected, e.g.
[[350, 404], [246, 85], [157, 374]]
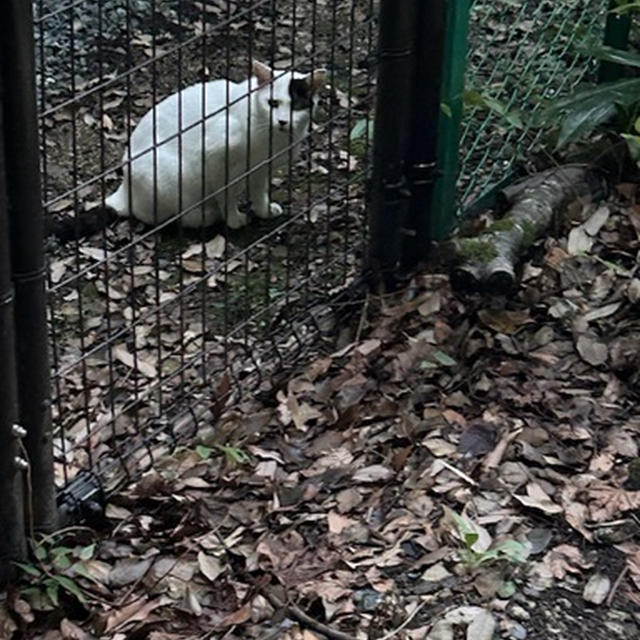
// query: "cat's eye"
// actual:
[[274, 104]]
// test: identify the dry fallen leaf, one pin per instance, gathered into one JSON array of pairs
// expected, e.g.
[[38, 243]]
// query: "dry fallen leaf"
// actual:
[[579, 241], [597, 588], [482, 627], [137, 362], [133, 612], [565, 559], [209, 566], [591, 350], [7, 623], [536, 498], [337, 523], [373, 473], [606, 502], [503, 320]]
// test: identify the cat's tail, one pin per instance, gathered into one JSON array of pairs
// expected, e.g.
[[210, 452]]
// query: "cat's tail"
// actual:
[[89, 222], [80, 226]]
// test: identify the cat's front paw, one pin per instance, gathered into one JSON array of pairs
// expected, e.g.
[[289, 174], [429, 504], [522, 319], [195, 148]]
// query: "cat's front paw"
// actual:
[[275, 210], [237, 220], [268, 210]]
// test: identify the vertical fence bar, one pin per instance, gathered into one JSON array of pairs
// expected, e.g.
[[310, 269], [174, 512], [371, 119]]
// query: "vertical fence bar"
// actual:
[[443, 209], [12, 541], [389, 196], [27, 255], [425, 110], [616, 35]]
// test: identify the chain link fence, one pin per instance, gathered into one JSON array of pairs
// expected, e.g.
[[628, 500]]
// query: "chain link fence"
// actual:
[[521, 55]]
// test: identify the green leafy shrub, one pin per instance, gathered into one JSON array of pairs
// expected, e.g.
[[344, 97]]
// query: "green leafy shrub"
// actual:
[[56, 568], [615, 105]]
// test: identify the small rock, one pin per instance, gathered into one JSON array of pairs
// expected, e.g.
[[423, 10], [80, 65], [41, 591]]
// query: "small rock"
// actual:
[[442, 630], [436, 573], [367, 600], [498, 604], [616, 614], [597, 588], [517, 631], [520, 613], [633, 291], [616, 628]]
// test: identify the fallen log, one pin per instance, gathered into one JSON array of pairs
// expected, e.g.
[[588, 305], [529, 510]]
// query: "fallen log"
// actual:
[[488, 261]]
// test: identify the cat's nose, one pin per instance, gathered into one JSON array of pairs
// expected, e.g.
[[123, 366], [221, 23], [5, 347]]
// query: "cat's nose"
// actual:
[[283, 123]]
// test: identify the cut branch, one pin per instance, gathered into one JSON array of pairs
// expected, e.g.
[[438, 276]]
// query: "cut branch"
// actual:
[[489, 260], [305, 619]]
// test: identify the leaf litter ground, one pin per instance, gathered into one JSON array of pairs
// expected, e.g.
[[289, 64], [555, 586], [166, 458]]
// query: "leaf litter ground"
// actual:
[[456, 467], [452, 467]]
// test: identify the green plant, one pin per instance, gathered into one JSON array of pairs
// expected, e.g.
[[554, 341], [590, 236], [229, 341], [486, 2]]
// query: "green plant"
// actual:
[[438, 359], [476, 249], [616, 104], [626, 7], [584, 111], [55, 569], [482, 101], [475, 552], [363, 128], [233, 455]]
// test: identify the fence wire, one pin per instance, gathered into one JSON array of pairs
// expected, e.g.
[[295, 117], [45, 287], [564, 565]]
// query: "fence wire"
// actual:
[[521, 54], [151, 326]]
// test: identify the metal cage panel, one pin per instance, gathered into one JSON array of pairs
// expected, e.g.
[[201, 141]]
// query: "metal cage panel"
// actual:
[[152, 325]]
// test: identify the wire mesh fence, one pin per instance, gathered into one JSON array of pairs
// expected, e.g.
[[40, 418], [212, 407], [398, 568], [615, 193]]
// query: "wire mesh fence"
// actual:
[[154, 325], [157, 317], [521, 55]]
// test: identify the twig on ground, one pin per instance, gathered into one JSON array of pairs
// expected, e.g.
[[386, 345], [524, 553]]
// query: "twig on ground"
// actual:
[[616, 584], [272, 634], [460, 474], [363, 318], [409, 618], [305, 619]]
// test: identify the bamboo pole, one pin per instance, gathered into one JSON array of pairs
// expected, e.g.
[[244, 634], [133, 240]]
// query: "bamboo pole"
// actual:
[[389, 195], [12, 543], [27, 252], [425, 111]]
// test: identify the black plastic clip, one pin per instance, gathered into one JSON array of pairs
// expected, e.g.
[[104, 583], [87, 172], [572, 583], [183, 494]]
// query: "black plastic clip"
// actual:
[[82, 500]]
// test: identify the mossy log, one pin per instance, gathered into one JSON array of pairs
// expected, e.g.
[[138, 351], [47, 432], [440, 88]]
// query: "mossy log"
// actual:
[[488, 261]]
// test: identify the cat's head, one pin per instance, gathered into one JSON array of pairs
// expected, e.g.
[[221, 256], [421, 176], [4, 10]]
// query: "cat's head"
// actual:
[[289, 98]]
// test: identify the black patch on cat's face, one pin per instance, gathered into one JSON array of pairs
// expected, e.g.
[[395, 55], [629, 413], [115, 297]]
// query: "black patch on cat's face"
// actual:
[[300, 93]]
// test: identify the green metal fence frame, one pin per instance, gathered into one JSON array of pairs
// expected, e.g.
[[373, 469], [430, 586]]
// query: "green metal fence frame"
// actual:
[[443, 214], [442, 218]]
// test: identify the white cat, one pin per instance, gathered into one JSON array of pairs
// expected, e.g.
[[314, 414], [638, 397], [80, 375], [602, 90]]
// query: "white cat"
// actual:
[[258, 124]]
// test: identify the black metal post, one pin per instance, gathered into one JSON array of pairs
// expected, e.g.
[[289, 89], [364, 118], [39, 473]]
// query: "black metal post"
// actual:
[[389, 195], [425, 113], [12, 541], [27, 251], [616, 35]]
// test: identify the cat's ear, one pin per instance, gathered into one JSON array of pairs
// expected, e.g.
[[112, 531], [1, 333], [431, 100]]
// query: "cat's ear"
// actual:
[[317, 79], [262, 72]]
